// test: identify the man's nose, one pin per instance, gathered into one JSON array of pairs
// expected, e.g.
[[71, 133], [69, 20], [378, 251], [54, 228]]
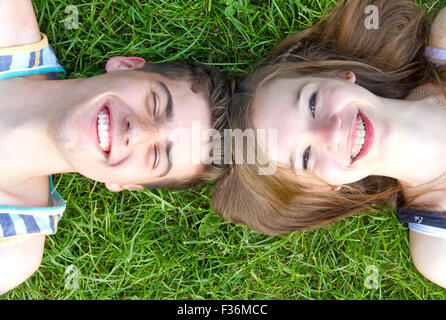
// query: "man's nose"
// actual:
[[139, 131], [330, 134]]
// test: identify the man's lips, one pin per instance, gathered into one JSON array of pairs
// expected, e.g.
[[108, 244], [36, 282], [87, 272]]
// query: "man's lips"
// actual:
[[118, 112], [105, 110]]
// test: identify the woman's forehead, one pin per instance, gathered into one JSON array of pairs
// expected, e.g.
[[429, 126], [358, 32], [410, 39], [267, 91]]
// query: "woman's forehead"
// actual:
[[274, 94]]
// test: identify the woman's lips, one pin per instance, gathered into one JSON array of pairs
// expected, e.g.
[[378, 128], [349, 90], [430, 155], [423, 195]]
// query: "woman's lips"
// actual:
[[353, 135], [368, 141]]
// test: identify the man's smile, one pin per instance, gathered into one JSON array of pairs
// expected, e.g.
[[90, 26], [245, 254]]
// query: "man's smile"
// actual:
[[103, 128]]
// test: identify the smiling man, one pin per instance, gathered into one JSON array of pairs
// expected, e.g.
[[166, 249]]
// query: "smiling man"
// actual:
[[127, 129], [139, 125]]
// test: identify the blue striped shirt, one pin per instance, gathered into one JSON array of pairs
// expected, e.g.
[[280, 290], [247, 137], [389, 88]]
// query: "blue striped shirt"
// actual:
[[28, 60], [37, 58], [17, 221]]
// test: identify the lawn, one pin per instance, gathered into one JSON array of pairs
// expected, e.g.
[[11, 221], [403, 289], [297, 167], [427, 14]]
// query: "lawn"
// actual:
[[170, 245]]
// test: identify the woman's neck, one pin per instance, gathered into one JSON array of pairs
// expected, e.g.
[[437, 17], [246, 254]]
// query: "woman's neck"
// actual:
[[417, 153]]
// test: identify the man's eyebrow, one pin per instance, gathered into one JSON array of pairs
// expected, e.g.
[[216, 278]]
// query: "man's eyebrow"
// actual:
[[169, 101], [169, 160]]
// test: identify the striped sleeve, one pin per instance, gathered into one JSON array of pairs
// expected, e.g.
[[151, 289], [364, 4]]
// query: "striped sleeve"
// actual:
[[28, 60], [12, 225], [21, 221]]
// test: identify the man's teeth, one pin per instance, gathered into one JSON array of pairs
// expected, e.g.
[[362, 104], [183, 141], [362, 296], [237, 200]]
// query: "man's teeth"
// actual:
[[103, 131], [360, 137]]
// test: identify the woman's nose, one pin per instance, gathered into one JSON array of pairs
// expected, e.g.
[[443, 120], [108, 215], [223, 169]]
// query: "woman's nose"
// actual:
[[330, 133]]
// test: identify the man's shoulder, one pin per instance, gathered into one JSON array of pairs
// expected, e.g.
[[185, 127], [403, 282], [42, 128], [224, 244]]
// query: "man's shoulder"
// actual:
[[33, 193]]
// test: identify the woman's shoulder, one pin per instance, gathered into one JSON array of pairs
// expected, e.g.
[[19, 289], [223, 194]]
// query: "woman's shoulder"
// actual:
[[431, 88], [429, 256], [435, 199], [434, 88]]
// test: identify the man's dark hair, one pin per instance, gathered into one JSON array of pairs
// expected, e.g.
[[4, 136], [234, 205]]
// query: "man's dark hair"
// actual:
[[214, 85]]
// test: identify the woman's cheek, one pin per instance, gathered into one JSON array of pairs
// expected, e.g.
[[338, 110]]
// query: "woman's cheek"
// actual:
[[325, 171], [331, 172]]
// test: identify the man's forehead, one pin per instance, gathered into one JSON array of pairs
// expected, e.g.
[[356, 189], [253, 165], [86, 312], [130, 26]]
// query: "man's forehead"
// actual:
[[189, 129], [191, 145], [190, 108], [190, 132], [179, 80]]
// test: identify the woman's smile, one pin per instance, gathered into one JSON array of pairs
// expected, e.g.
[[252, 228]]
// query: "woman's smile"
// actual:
[[362, 137]]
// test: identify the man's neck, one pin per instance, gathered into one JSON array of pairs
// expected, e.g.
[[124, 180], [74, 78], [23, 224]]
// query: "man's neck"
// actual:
[[26, 146]]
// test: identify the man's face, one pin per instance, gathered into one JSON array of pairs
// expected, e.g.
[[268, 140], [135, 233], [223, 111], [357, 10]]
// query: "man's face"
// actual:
[[128, 128]]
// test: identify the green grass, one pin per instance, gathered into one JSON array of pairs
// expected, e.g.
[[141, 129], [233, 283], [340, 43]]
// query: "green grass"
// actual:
[[170, 245]]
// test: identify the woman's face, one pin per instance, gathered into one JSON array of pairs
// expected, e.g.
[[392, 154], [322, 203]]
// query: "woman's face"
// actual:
[[329, 127]]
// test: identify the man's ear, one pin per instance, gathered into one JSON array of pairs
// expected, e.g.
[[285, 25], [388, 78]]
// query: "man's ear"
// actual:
[[124, 63], [117, 187]]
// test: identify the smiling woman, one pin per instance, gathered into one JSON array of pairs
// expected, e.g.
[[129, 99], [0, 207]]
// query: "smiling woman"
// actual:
[[343, 79], [348, 141]]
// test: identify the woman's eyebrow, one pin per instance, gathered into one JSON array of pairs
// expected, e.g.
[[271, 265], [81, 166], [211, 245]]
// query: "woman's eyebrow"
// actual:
[[169, 106], [293, 160], [298, 95], [296, 103]]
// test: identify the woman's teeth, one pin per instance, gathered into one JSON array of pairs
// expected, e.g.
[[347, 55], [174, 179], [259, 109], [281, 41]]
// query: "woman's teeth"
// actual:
[[103, 131], [360, 137]]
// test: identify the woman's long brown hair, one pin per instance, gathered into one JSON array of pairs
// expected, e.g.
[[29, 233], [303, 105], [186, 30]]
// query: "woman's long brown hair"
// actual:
[[388, 61]]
